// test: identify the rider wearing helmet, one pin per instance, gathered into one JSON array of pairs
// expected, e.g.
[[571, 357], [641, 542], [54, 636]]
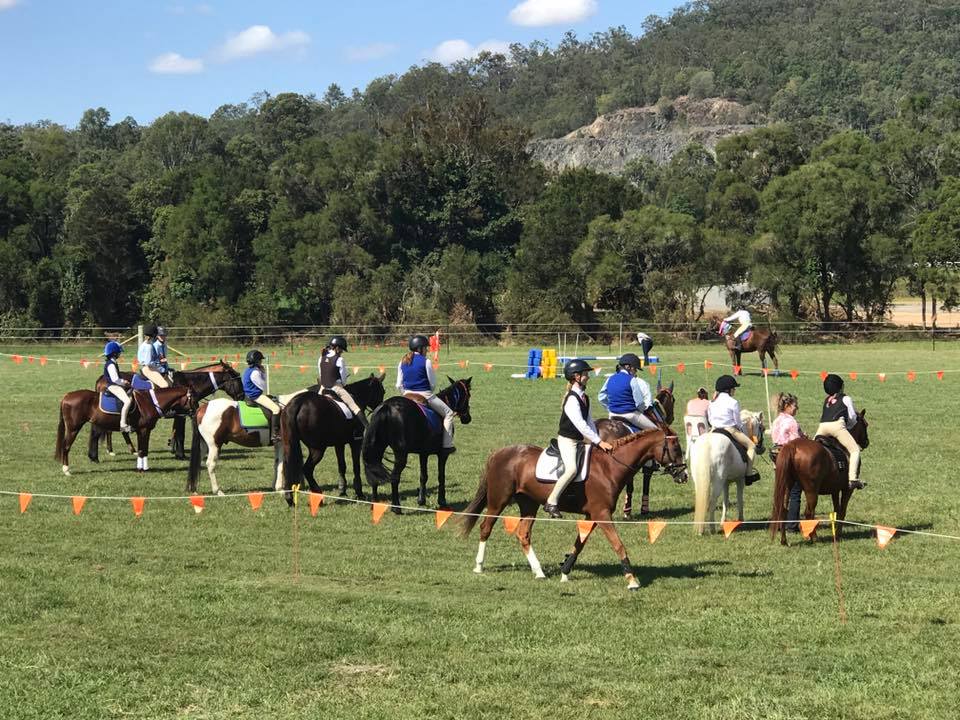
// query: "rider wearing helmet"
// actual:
[[837, 418], [254, 388], [576, 426], [415, 375], [160, 345], [724, 412], [332, 374], [626, 396], [744, 323], [149, 360], [116, 385]]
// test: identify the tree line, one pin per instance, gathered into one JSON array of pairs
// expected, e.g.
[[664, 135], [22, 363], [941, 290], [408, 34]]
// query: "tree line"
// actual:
[[416, 200]]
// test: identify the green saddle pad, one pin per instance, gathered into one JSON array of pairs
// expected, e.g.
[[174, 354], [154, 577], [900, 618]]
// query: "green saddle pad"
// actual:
[[251, 417]]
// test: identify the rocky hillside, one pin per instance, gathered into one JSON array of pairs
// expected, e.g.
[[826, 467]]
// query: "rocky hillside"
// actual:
[[658, 131]]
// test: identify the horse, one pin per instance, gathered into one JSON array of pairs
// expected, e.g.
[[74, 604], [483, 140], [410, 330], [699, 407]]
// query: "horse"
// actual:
[[400, 424], [613, 429], [510, 475], [203, 381], [809, 463], [715, 462], [317, 421], [761, 341], [82, 406]]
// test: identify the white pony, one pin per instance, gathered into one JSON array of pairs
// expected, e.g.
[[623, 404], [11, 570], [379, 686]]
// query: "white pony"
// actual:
[[714, 464]]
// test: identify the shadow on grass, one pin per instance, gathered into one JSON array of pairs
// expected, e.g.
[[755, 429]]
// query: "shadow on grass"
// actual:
[[648, 574]]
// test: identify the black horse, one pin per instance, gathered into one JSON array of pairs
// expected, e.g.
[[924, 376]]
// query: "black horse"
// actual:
[[402, 426], [202, 381], [317, 422]]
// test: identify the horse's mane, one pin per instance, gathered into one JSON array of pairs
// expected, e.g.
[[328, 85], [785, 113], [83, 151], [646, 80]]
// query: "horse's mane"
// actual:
[[620, 442]]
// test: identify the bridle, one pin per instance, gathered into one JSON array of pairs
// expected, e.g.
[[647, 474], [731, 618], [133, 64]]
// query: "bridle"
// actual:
[[455, 396], [673, 469]]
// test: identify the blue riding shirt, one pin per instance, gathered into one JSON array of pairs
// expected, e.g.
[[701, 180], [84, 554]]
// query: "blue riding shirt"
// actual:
[[415, 374], [251, 389], [620, 394]]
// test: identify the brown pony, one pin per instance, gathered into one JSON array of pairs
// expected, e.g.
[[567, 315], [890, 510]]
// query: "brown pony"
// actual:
[[760, 341], [79, 407], [510, 476], [809, 463]]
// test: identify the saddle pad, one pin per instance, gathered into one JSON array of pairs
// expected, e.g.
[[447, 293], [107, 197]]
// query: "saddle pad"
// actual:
[[836, 450], [110, 404], [746, 335], [626, 423], [139, 382], [342, 405], [740, 448], [550, 466], [251, 417]]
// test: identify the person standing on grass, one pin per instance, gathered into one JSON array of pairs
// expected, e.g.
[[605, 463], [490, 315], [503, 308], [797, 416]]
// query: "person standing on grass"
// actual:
[[698, 406], [784, 429]]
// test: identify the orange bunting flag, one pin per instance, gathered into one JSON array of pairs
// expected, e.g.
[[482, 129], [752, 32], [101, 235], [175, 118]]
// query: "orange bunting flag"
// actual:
[[729, 526], [378, 510], [381, 369], [765, 371], [212, 358], [316, 500], [584, 528], [708, 364], [939, 374], [511, 523], [488, 366], [681, 367], [17, 359], [25, 499], [853, 376], [436, 364], [794, 374], [137, 503], [442, 516], [882, 377], [30, 359], [43, 360], [197, 502], [85, 364], [652, 369], [823, 375], [911, 376], [184, 365], [356, 369], [78, 503], [303, 368], [737, 369], [276, 366], [807, 527], [884, 535], [256, 500], [654, 528]]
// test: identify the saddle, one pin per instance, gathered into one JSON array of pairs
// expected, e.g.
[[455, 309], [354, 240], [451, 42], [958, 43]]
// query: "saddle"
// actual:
[[139, 382], [740, 448], [110, 404], [334, 398], [837, 452], [550, 465], [434, 421]]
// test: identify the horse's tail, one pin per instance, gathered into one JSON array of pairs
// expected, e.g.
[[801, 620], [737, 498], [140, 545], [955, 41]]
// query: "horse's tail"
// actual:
[[701, 483], [781, 486], [61, 436], [374, 445], [196, 441], [476, 506], [770, 345], [292, 452]]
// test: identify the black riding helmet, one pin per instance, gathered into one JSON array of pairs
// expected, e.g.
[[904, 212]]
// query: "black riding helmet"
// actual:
[[254, 357], [161, 331], [726, 383], [418, 342], [630, 359], [150, 330], [338, 341], [575, 367], [832, 384]]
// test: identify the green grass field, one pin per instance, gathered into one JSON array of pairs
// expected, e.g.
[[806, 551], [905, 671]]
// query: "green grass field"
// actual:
[[175, 614]]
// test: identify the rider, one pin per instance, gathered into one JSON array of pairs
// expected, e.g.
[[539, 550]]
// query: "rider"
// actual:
[[254, 385], [724, 412], [160, 345], [576, 426], [837, 418], [115, 384], [646, 344], [332, 374], [149, 360], [627, 396], [743, 318], [415, 375]]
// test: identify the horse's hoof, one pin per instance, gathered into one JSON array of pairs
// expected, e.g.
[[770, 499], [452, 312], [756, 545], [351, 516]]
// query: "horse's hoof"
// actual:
[[445, 506], [361, 496], [111, 453], [396, 510], [221, 493], [539, 576], [478, 569], [66, 469], [633, 587], [628, 516], [564, 577]]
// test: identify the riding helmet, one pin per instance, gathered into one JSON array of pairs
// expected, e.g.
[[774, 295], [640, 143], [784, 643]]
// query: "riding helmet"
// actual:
[[419, 341], [161, 331], [112, 348], [254, 357], [150, 330], [575, 367], [832, 384], [726, 383], [630, 359], [338, 341]]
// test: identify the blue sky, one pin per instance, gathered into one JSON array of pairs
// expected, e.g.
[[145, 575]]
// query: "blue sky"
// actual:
[[145, 58]]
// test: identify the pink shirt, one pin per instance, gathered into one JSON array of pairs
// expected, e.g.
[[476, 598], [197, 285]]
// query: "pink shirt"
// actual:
[[784, 429], [698, 407]]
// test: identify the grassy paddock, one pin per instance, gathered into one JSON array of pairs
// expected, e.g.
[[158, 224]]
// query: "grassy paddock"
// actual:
[[184, 615]]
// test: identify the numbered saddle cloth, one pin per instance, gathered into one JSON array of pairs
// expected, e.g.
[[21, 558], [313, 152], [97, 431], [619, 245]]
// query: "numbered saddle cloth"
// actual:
[[110, 404], [251, 416], [550, 465]]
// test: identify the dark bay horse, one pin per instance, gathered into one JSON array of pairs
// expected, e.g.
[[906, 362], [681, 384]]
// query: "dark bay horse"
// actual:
[[203, 381], [610, 430], [401, 425], [510, 477], [82, 406], [809, 463], [317, 421], [761, 341]]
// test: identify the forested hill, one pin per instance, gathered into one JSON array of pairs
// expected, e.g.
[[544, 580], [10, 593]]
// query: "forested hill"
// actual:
[[417, 200]]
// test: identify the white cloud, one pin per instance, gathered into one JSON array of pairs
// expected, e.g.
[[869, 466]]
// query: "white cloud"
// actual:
[[7, 4], [366, 53], [449, 51], [175, 64], [258, 39], [536, 13]]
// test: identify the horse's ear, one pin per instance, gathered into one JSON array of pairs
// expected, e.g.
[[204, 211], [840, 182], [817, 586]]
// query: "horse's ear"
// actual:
[[863, 413], [452, 381], [381, 376], [671, 387], [467, 381]]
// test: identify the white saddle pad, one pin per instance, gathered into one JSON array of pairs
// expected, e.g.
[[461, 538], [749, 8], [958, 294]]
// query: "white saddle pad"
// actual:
[[342, 405], [548, 467]]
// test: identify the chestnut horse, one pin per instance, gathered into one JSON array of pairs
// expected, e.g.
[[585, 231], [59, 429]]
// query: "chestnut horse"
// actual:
[[510, 476], [809, 463], [82, 406], [612, 429], [760, 341]]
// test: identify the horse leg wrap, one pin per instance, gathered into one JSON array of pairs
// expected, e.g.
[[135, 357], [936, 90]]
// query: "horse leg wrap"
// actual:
[[627, 568], [645, 505], [568, 563]]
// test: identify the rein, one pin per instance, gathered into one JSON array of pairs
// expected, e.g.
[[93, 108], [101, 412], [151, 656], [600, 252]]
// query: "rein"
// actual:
[[670, 468]]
